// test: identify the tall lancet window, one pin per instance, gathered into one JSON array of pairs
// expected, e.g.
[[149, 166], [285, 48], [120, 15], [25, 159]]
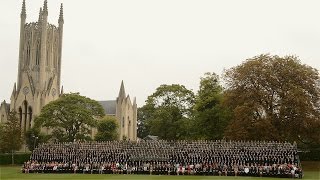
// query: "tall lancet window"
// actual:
[[55, 54], [28, 53], [47, 62], [129, 128], [20, 116], [30, 116], [38, 53], [25, 107]]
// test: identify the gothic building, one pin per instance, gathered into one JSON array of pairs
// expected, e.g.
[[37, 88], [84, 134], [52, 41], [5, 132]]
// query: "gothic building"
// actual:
[[39, 76]]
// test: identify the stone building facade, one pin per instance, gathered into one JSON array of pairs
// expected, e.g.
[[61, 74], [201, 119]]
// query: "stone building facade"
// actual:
[[39, 76], [125, 112]]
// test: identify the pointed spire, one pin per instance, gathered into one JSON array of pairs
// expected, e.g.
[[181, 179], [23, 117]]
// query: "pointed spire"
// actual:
[[122, 92], [134, 101], [23, 10], [61, 14], [14, 91], [45, 7], [40, 15]]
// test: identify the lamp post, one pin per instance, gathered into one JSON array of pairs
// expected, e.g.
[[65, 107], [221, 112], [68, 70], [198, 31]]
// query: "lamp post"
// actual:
[[35, 141]]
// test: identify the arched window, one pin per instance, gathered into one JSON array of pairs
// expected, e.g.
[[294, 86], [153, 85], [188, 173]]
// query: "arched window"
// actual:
[[30, 116], [122, 121], [20, 116], [38, 53], [129, 128], [25, 108], [27, 62]]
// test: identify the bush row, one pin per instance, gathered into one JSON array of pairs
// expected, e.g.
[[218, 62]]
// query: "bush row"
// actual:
[[312, 155], [6, 159]]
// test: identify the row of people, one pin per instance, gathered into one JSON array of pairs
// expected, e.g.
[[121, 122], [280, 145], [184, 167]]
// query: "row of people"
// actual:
[[166, 168], [230, 157]]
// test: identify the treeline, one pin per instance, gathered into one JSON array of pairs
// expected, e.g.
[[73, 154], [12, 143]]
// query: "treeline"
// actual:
[[265, 98]]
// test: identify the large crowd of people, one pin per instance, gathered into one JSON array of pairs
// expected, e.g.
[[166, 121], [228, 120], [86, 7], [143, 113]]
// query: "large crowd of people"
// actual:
[[224, 158]]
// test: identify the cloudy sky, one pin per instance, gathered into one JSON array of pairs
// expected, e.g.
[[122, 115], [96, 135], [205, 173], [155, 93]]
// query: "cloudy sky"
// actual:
[[147, 43]]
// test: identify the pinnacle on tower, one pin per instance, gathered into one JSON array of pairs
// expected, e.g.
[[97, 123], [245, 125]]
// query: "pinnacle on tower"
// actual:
[[23, 10], [14, 89], [61, 13], [122, 92], [134, 101], [40, 15], [45, 7]]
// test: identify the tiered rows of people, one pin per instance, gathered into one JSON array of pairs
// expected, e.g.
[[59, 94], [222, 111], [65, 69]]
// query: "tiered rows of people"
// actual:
[[228, 158]]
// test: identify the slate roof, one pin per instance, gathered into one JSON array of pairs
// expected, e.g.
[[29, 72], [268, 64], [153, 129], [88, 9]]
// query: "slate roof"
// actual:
[[109, 106], [150, 137]]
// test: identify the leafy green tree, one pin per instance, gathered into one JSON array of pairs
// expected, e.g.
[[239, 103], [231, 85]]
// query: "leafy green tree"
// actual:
[[211, 117], [107, 129], [273, 98], [12, 138], [71, 117], [143, 127], [168, 111]]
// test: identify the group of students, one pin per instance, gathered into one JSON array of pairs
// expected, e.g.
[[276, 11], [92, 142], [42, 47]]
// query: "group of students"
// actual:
[[228, 158]]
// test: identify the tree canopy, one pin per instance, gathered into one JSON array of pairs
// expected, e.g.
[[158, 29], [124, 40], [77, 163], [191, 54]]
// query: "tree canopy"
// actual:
[[11, 138], [71, 117], [266, 97], [167, 112], [273, 98], [107, 129], [211, 117]]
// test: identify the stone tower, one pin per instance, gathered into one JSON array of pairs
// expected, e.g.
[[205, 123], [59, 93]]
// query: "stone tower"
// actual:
[[39, 67]]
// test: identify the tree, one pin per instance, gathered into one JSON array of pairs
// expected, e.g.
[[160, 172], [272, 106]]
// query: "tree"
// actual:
[[107, 129], [143, 115], [167, 112], [71, 117], [273, 98], [12, 138], [211, 117]]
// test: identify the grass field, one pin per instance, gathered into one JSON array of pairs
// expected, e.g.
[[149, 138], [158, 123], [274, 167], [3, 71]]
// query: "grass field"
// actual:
[[312, 171]]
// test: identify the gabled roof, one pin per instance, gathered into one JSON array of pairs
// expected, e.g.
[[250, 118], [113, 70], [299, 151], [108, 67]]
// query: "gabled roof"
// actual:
[[109, 106]]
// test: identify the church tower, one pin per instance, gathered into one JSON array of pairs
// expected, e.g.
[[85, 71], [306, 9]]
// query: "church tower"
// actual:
[[126, 114], [39, 67]]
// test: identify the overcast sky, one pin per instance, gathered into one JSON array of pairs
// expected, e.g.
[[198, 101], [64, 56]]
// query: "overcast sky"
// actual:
[[147, 43]]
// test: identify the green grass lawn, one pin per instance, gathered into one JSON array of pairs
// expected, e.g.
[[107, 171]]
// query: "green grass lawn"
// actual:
[[312, 171]]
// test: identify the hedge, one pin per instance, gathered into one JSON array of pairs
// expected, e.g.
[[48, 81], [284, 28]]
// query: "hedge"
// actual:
[[311, 155], [5, 159]]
